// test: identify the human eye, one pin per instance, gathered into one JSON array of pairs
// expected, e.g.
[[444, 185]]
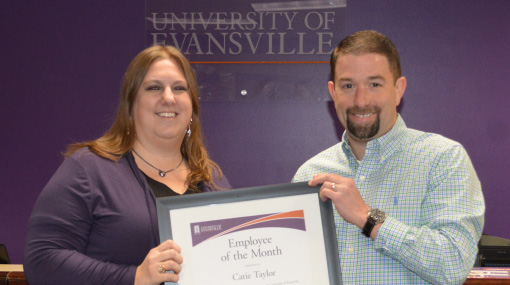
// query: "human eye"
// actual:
[[347, 86], [153, 88], [376, 82], [181, 88]]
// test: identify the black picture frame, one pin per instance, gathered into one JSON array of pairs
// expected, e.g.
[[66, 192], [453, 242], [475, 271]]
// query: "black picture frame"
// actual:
[[165, 206]]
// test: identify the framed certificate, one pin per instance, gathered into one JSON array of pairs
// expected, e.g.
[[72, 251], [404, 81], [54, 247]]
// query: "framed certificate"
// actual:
[[276, 234]]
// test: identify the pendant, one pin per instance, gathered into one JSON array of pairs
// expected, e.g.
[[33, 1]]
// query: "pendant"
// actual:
[[162, 173]]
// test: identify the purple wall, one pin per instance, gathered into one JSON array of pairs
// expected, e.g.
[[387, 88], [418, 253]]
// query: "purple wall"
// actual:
[[61, 66]]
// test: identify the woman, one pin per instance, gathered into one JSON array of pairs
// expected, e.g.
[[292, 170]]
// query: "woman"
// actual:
[[95, 222]]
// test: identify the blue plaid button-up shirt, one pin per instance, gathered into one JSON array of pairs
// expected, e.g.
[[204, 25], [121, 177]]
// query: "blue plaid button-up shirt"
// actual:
[[428, 187]]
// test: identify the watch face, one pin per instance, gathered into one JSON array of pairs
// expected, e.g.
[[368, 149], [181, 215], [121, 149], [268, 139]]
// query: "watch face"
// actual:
[[378, 215]]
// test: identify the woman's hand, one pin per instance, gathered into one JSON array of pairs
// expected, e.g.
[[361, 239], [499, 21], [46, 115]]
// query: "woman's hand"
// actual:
[[162, 264]]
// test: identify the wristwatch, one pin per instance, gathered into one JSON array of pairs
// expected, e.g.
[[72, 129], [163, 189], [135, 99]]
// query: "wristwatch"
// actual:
[[375, 216]]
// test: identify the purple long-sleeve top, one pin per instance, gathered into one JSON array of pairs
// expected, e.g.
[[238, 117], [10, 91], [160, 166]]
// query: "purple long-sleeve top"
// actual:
[[93, 223]]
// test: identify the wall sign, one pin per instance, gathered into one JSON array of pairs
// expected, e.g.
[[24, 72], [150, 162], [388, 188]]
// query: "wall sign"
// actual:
[[251, 51]]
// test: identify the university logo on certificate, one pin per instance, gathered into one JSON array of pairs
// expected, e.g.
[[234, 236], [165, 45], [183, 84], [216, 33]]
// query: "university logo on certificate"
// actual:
[[272, 235]]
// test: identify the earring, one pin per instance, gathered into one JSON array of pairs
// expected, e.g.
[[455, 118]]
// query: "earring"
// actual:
[[189, 128]]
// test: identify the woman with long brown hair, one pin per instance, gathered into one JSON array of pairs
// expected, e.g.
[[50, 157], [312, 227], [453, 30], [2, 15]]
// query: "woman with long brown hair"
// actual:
[[95, 221]]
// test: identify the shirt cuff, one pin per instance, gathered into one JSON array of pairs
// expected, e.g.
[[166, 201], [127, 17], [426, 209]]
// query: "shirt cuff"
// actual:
[[390, 236]]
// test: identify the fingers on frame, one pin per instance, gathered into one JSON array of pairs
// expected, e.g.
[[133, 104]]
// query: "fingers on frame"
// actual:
[[173, 266], [169, 244], [171, 254], [317, 179]]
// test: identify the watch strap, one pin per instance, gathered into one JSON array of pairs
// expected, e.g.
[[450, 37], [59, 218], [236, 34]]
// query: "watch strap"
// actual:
[[369, 226], [375, 216]]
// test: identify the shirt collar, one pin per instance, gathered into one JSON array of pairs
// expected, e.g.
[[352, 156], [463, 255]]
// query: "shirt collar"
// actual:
[[384, 145]]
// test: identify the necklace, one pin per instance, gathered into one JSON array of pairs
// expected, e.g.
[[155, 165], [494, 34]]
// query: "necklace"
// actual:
[[161, 172]]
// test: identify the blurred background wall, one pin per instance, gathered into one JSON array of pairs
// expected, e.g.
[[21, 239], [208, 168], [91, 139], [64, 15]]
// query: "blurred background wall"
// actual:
[[61, 65]]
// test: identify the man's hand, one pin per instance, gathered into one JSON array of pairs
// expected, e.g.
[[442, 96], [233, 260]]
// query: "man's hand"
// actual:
[[345, 196]]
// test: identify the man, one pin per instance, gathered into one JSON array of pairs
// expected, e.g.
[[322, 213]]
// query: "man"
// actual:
[[409, 206]]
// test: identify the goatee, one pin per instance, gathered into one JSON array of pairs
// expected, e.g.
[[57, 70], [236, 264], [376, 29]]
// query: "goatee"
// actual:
[[366, 131]]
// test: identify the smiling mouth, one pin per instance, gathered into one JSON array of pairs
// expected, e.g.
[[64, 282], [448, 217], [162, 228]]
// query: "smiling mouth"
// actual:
[[364, 115], [167, 115]]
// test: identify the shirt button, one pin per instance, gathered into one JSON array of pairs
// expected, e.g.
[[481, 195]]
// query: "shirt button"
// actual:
[[362, 178], [351, 250]]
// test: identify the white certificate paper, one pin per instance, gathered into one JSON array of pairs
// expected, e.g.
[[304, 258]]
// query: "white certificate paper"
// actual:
[[268, 241]]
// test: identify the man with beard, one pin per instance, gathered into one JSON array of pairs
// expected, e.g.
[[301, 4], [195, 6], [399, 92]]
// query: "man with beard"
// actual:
[[409, 206]]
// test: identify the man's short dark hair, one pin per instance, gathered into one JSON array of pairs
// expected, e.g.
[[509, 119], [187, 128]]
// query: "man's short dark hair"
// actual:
[[364, 42]]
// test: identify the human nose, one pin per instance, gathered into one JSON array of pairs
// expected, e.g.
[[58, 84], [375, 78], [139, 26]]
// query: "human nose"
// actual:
[[168, 95], [360, 97]]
